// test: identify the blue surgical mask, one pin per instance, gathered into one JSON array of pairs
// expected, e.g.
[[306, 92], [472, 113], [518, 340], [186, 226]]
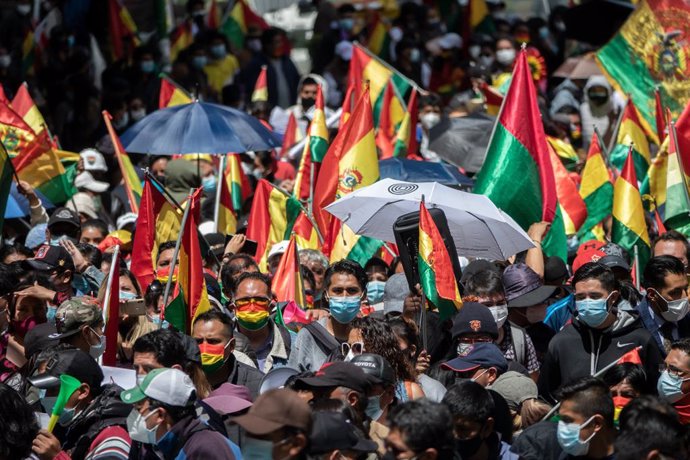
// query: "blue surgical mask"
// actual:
[[668, 387], [375, 291], [592, 312], [126, 295], [67, 416], [209, 184], [96, 351], [50, 314], [199, 62], [147, 66], [568, 435], [218, 51], [344, 309], [257, 449], [373, 409]]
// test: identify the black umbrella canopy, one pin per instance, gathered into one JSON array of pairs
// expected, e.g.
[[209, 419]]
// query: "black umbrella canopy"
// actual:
[[596, 21], [462, 141]]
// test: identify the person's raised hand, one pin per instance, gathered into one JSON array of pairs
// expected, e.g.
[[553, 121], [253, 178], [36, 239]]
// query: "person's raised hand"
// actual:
[[36, 291], [423, 362], [235, 244], [315, 314], [80, 262], [45, 445], [28, 191], [538, 230]]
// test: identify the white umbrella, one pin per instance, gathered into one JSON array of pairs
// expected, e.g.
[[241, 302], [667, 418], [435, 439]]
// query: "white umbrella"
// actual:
[[477, 226]]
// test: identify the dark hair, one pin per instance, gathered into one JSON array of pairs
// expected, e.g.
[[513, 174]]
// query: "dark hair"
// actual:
[[97, 224], [268, 35], [645, 428], [307, 275], [14, 248], [597, 271], [308, 81], [380, 339], [251, 276], [424, 424], [349, 267], [164, 247], [132, 279], [634, 374], [341, 406], [682, 345], [394, 263], [8, 283], [177, 413], [658, 267], [230, 270], [153, 293], [405, 330], [429, 99], [164, 344], [484, 283], [376, 262], [90, 253], [470, 401], [591, 397], [18, 425], [216, 315], [673, 235]]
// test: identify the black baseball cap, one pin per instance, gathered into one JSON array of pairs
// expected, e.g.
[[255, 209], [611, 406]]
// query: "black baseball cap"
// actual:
[[50, 258], [216, 244], [337, 374], [72, 362], [66, 216], [333, 431], [475, 318], [377, 367]]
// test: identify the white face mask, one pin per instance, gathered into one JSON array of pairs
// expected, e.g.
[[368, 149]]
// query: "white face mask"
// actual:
[[138, 114], [429, 120], [138, 431], [500, 314], [676, 310], [505, 56]]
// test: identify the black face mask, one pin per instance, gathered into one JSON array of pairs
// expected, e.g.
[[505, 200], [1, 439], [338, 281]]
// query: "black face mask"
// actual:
[[468, 447], [598, 99], [307, 102]]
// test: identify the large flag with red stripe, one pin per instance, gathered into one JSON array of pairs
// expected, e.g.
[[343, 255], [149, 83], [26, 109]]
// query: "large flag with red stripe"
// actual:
[[171, 94], [287, 282]]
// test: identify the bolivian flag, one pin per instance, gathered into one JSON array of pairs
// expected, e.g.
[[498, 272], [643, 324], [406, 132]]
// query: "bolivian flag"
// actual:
[[227, 221], [15, 133], [192, 298], [595, 189], [261, 87], [171, 94], [406, 138], [271, 219], [629, 226], [631, 132], [391, 115], [436, 274], [122, 28], [677, 209], [132, 183], [158, 222], [287, 282], [572, 206], [26, 108], [318, 130], [239, 20], [238, 184], [292, 136], [492, 99], [180, 39]]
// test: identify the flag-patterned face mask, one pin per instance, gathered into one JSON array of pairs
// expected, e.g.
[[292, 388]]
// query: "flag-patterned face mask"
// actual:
[[252, 313], [212, 356]]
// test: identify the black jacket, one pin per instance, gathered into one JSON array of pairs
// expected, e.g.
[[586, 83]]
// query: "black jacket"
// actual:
[[650, 324], [578, 351], [248, 376]]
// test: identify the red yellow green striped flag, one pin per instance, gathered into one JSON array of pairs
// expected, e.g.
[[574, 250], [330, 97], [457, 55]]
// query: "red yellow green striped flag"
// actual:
[[171, 94], [572, 206], [596, 189], [492, 99], [122, 29], [301, 189], [292, 135], [366, 67], [131, 180], [261, 87], [385, 134], [406, 144], [271, 219], [378, 40], [213, 17], [631, 132], [351, 163], [517, 174], [287, 282], [318, 130], [436, 275], [227, 220], [238, 184], [239, 20], [660, 117], [629, 226], [677, 209], [564, 150], [180, 39], [26, 108], [192, 298], [158, 222]]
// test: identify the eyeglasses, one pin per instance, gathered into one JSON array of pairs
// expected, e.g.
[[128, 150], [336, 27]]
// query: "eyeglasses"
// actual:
[[260, 301], [472, 340], [357, 348], [673, 370]]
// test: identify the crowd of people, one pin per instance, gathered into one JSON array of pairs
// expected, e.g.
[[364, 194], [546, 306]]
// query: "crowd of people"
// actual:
[[545, 359]]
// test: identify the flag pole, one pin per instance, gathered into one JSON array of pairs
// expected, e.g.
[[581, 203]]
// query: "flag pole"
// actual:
[[219, 187], [106, 303], [176, 253], [118, 155], [637, 267], [614, 134], [672, 132], [604, 152]]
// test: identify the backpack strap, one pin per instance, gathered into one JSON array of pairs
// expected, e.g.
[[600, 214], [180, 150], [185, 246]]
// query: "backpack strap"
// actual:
[[519, 344], [325, 341]]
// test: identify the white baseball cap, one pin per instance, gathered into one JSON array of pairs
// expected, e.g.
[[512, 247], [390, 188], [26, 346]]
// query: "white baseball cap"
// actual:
[[169, 386], [93, 160], [278, 248]]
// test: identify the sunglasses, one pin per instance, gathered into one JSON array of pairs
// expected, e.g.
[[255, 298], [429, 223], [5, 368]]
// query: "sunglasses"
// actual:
[[260, 301], [357, 348]]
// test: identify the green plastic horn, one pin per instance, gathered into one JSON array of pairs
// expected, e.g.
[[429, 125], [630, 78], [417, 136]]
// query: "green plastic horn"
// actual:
[[68, 385]]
